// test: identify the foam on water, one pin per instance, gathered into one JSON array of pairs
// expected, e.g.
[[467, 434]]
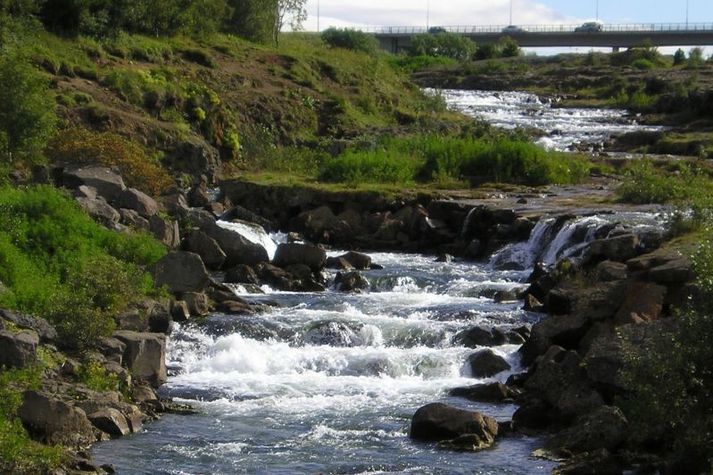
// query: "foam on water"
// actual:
[[255, 234]]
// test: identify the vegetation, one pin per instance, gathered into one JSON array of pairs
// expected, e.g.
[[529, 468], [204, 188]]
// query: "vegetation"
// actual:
[[447, 160], [443, 44], [56, 262], [350, 39]]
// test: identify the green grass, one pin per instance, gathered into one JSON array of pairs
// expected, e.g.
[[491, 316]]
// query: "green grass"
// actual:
[[448, 159], [57, 263]]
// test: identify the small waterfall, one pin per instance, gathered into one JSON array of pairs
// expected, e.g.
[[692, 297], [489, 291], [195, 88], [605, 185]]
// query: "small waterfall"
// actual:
[[523, 255], [565, 243], [253, 233]]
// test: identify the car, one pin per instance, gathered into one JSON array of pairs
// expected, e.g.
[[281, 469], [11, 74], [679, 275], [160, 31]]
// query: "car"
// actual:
[[513, 29], [590, 27], [434, 30]]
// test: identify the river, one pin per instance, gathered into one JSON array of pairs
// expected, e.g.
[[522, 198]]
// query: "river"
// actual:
[[328, 382]]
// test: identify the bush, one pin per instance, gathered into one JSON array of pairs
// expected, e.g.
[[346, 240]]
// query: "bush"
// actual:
[[696, 59], [139, 169], [643, 64], [679, 57], [447, 45], [57, 263], [27, 117], [350, 39], [97, 378]]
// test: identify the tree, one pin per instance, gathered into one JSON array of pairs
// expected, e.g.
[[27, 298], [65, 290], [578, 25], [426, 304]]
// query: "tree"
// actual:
[[292, 10], [679, 57], [695, 58], [509, 48], [27, 116], [449, 45], [254, 20]]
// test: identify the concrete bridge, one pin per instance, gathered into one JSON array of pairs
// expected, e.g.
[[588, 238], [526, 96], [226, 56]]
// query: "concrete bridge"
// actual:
[[398, 38]]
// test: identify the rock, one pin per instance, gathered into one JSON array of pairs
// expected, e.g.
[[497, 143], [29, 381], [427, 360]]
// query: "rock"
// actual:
[[474, 250], [237, 249], [491, 392], [618, 249], [181, 272], [339, 263], [138, 201], [486, 363], [534, 413], [242, 274], [100, 211], [179, 311], [86, 192], [108, 184], [166, 231], [446, 258], [198, 303], [321, 225], [145, 355], [111, 421], [131, 218], [142, 393], [481, 336], [176, 205], [440, 422], [604, 428], [358, 260], [198, 196], [112, 349], [533, 305], [235, 307], [677, 271], [336, 334], [53, 421], [643, 302], [200, 218], [351, 282], [206, 247], [160, 319], [243, 214], [292, 253], [608, 271], [18, 350], [44, 330], [599, 462]]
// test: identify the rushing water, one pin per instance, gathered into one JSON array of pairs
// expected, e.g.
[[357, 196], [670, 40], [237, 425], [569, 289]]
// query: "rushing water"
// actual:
[[564, 129], [328, 382]]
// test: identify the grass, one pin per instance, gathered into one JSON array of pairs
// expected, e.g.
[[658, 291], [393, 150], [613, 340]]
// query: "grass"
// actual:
[[57, 263], [436, 159]]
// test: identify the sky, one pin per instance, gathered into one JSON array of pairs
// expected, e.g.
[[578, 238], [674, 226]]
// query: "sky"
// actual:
[[342, 13]]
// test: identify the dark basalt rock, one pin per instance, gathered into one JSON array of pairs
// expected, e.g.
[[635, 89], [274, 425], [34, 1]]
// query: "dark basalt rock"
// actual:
[[465, 429]]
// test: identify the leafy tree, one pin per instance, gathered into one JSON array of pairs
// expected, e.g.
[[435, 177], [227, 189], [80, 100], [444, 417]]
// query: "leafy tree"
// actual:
[[679, 57], [254, 20], [695, 58], [354, 40], [449, 45], [27, 116], [292, 10], [509, 48]]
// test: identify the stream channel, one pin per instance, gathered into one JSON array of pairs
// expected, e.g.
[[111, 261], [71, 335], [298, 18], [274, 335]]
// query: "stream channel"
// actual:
[[328, 382]]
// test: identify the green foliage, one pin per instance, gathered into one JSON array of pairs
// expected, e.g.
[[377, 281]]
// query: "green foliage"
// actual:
[[18, 453], [696, 59], [679, 57], [97, 378], [56, 262], [643, 64], [644, 183], [444, 44], [509, 48], [27, 117], [447, 159], [254, 20], [411, 64], [350, 39]]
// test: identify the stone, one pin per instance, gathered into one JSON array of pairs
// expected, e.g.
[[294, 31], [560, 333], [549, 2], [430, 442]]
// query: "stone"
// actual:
[[132, 218], [198, 196], [676, 271], [598, 462], [112, 349], [608, 271], [145, 355], [618, 249], [206, 247], [198, 303], [18, 350], [176, 204], [604, 428], [351, 282], [199, 218], [86, 192], [492, 392], [44, 330], [321, 225], [289, 254], [181, 272], [100, 211], [358, 260], [445, 258], [160, 319], [237, 249], [108, 184], [474, 250], [339, 263], [440, 422], [138, 201], [143, 393], [643, 302], [534, 413], [179, 311], [53, 422], [235, 307], [242, 274], [166, 231], [481, 336], [486, 363], [111, 421], [276, 277]]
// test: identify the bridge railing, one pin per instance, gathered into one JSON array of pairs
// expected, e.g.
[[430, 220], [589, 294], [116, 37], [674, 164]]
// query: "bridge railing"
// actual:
[[498, 29]]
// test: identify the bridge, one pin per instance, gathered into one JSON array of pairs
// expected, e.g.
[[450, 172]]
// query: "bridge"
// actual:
[[398, 38]]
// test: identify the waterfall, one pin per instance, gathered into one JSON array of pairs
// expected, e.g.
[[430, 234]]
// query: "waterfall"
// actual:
[[563, 245], [523, 255], [255, 234]]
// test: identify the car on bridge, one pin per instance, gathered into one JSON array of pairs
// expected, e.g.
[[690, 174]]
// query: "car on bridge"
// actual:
[[513, 29], [590, 27]]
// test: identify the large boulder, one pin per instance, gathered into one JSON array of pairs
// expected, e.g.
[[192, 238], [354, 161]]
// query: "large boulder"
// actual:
[[481, 336], [351, 282], [241, 274], [206, 247], [100, 211], [618, 249], [108, 184], [53, 421], [358, 260], [44, 330], [238, 249], [439, 422], [145, 355], [139, 201], [492, 392], [181, 272], [165, 230], [18, 350], [290, 254], [604, 428], [111, 421], [486, 363], [643, 302]]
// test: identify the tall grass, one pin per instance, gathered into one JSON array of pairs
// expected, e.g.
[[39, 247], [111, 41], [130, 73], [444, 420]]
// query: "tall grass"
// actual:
[[438, 159]]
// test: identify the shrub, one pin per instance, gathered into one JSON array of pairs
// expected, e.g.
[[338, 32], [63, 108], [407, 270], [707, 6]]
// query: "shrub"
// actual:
[[350, 39], [97, 378], [138, 168], [509, 48], [695, 58], [643, 64], [448, 45], [679, 57], [643, 183], [27, 117]]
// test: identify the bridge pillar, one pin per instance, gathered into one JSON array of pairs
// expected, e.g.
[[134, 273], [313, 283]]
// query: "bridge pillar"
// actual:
[[615, 49]]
